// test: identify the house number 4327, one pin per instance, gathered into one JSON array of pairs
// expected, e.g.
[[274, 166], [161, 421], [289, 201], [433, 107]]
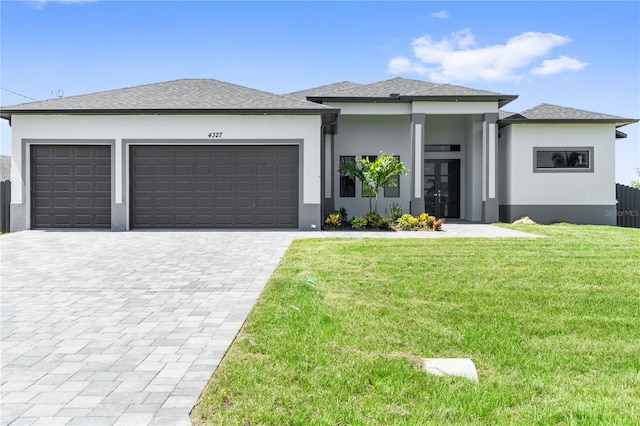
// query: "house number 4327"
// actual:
[[215, 134]]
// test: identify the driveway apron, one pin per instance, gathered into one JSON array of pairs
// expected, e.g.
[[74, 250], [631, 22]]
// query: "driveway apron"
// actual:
[[127, 328]]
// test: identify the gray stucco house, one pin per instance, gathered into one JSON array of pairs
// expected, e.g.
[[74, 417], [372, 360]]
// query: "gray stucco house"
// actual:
[[201, 153]]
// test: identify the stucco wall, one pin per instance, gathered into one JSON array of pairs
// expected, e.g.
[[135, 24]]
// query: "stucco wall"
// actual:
[[559, 196], [368, 135], [195, 128], [527, 187]]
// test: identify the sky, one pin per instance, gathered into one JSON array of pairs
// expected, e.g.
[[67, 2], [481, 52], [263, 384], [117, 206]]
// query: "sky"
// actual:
[[583, 55]]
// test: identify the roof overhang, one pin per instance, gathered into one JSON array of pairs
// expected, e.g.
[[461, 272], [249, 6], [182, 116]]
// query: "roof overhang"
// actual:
[[502, 100], [618, 122], [327, 113]]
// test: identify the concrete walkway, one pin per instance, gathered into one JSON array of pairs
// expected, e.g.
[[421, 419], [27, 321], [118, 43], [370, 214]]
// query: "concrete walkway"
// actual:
[[127, 328]]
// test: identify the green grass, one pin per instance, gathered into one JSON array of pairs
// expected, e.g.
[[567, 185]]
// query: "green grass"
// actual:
[[552, 324]]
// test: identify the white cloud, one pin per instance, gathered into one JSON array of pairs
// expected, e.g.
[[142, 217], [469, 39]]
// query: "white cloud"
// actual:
[[443, 14], [460, 58], [39, 4], [555, 66]]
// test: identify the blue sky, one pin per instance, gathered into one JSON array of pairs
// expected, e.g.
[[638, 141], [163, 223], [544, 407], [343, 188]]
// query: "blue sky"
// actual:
[[583, 55]]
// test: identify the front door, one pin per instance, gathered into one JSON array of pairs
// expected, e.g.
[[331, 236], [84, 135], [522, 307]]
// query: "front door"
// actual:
[[442, 188]]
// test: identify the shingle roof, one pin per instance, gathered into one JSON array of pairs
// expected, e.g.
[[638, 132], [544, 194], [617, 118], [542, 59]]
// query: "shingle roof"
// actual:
[[176, 95], [556, 113], [322, 90], [409, 90]]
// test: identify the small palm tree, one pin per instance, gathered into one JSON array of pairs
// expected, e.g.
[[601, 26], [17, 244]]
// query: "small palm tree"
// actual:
[[375, 175]]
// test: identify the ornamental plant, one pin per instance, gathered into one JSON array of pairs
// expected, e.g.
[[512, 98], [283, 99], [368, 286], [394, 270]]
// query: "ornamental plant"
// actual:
[[333, 220], [407, 222], [374, 175], [358, 223]]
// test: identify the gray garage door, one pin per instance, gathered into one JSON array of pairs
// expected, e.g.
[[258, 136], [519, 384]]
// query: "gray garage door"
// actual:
[[70, 186], [214, 186]]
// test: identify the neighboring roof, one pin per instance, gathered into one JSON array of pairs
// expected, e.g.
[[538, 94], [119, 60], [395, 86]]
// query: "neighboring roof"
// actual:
[[187, 95], [406, 90], [322, 90], [548, 113]]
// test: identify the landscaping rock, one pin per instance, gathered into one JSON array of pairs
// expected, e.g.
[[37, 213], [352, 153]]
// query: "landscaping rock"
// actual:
[[524, 221], [460, 367]]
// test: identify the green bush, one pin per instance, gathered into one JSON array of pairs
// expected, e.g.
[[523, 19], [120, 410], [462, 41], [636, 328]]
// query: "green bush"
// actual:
[[407, 222], [358, 222], [384, 223], [372, 219], [396, 212], [343, 214]]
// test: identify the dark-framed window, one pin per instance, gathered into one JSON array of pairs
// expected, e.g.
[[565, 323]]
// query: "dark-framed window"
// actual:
[[347, 183], [563, 159], [393, 191], [366, 192], [442, 148]]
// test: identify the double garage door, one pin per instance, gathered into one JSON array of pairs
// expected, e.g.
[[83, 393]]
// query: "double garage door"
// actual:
[[170, 186]]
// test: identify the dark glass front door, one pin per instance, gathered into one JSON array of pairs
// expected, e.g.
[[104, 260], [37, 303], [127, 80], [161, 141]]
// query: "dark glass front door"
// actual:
[[442, 188]]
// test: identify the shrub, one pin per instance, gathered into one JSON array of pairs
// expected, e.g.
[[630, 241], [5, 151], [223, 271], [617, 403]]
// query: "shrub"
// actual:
[[343, 214], [333, 220], [407, 222], [426, 221], [358, 222], [396, 211], [384, 223], [437, 224], [372, 219]]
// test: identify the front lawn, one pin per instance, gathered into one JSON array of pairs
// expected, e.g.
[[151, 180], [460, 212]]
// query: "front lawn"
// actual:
[[552, 324]]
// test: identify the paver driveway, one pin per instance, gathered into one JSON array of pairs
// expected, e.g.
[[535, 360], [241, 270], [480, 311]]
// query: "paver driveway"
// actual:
[[128, 327], [122, 328]]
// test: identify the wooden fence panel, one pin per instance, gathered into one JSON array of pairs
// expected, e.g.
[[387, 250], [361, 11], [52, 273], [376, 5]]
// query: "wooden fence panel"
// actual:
[[628, 206]]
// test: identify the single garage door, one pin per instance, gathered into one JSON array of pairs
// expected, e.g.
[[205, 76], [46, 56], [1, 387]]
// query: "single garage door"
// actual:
[[70, 186], [214, 186]]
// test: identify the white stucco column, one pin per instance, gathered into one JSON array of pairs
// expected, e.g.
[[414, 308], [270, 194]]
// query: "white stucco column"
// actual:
[[490, 202]]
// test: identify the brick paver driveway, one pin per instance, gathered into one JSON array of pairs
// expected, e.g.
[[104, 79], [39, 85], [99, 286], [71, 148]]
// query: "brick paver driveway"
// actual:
[[122, 328], [128, 327]]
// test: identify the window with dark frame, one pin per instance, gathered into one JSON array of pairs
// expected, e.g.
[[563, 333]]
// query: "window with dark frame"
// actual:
[[393, 191], [442, 148], [347, 183], [563, 159]]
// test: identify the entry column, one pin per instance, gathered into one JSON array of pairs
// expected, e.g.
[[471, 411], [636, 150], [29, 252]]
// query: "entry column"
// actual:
[[417, 144], [490, 201]]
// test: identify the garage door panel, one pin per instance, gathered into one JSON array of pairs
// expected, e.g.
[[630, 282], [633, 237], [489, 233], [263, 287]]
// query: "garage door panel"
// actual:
[[203, 186], [79, 202], [184, 203], [224, 186], [244, 203], [224, 203], [224, 170], [70, 186], [244, 170], [245, 186], [44, 202], [162, 186], [62, 186], [214, 186], [62, 152], [103, 171]]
